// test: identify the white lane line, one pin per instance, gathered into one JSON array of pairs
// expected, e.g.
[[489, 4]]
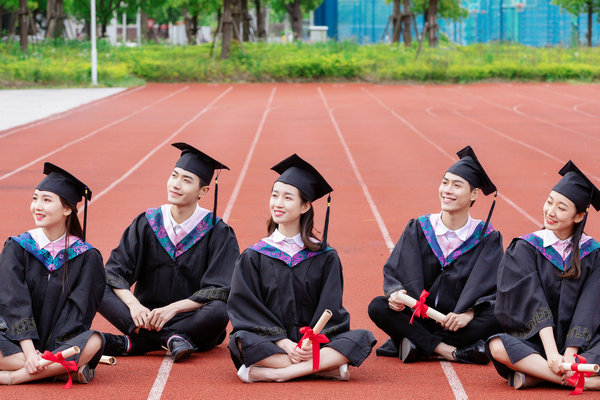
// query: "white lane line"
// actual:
[[161, 379], [576, 109], [69, 112], [154, 150], [451, 376], [238, 184], [452, 158], [89, 135], [384, 231], [165, 368]]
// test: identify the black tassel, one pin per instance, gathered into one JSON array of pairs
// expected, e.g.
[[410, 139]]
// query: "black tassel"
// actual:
[[214, 218], [85, 196], [326, 227], [489, 217]]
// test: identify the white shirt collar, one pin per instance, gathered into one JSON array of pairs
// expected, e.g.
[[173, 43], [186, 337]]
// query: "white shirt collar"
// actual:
[[441, 229], [41, 239], [550, 238], [277, 237], [194, 219]]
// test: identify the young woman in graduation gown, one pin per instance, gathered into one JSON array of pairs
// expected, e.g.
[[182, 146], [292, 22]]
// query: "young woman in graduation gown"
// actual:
[[284, 283], [548, 297], [51, 282], [454, 259]]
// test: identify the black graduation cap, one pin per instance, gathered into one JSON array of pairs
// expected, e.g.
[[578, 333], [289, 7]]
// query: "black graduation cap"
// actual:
[[201, 165], [68, 187], [197, 162], [469, 168], [303, 176], [576, 187]]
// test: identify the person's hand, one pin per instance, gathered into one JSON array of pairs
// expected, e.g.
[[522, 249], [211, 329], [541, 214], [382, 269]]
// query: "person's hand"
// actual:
[[454, 322], [158, 317], [555, 363], [32, 363], [295, 354], [395, 303], [140, 314]]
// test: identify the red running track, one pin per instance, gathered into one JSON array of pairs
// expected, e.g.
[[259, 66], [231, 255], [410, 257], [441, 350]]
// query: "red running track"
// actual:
[[383, 149]]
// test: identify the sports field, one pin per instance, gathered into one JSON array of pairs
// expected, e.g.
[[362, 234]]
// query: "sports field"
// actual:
[[382, 148]]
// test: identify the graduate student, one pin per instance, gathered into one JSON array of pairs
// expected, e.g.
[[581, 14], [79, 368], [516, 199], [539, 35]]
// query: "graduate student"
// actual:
[[549, 291], [284, 283], [453, 257], [180, 257], [51, 283]]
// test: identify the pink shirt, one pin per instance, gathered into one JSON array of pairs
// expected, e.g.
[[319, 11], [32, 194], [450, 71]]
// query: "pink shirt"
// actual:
[[290, 246], [177, 232], [450, 240], [563, 247], [52, 247]]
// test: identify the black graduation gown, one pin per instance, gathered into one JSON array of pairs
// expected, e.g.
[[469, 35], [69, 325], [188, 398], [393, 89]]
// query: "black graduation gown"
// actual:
[[532, 295], [464, 280], [199, 268], [273, 295], [35, 305]]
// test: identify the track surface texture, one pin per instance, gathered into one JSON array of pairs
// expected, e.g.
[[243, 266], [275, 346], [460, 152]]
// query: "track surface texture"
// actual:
[[382, 148]]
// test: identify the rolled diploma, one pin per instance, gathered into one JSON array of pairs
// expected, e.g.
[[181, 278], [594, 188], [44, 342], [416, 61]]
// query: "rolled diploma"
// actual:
[[71, 351], [409, 301], [582, 367], [108, 360], [319, 325]]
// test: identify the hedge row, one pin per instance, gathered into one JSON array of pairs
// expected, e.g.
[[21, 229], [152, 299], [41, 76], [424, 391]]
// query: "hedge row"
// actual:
[[67, 64]]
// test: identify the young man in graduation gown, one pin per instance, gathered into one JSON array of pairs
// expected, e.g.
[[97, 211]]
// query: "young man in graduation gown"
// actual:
[[452, 257], [180, 258]]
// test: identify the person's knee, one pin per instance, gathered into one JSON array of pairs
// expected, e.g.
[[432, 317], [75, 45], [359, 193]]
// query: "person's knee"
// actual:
[[497, 350], [377, 308]]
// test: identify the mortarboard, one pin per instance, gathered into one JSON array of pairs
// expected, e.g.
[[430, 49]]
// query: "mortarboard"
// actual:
[[576, 187]]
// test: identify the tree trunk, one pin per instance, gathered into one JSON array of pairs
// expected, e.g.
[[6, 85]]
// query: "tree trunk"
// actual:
[[590, 22], [227, 28], [191, 26], [103, 28], [23, 24], [245, 20], [295, 13], [50, 21], [87, 28], [144, 23], [396, 26], [237, 18], [406, 22], [54, 19], [432, 23], [261, 17]]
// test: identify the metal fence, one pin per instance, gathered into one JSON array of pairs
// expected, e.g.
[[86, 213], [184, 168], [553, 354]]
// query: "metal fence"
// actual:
[[530, 22]]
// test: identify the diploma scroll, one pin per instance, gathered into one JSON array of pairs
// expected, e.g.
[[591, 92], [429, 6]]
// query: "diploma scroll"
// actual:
[[108, 360], [581, 367], [410, 302], [71, 351], [319, 325]]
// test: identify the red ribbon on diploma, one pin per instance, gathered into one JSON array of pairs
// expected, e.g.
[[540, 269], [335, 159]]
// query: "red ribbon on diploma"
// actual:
[[578, 378], [316, 340], [68, 365], [421, 308]]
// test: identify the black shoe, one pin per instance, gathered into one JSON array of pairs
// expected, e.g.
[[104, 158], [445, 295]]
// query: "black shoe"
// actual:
[[473, 354], [180, 348], [388, 349], [409, 352], [115, 345]]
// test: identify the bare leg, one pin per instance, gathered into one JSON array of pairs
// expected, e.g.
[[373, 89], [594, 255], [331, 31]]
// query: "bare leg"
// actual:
[[445, 350], [592, 383], [275, 361], [533, 365], [329, 359], [12, 362], [21, 375]]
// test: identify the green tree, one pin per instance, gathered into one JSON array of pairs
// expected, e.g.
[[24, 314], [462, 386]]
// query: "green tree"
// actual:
[[577, 7], [296, 9], [432, 9], [195, 11], [7, 7]]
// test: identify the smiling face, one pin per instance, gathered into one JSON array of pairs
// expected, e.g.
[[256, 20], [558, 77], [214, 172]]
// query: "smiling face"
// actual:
[[48, 211], [455, 193], [560, 215], [183, 188], [286, 205]]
